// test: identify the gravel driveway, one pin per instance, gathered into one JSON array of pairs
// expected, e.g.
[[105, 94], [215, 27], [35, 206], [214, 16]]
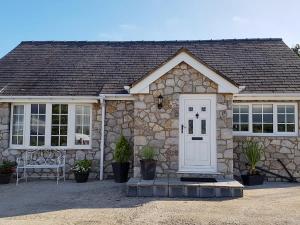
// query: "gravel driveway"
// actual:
[[44, 202]]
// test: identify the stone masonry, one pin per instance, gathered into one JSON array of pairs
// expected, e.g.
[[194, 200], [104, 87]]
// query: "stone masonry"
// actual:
[[119, 119], [159, 127]]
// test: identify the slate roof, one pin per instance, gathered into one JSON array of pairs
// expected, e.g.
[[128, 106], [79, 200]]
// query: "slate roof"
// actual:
[[83, 68]]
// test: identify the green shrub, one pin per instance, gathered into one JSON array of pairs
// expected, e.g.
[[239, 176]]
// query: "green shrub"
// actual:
[[122, 152], [148, 153], [253, 152], [82, 166], [7, 167]]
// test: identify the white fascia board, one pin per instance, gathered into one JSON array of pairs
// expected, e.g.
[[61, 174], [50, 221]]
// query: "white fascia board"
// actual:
[[267, 96], [116, 97], [58, 99], [224, 86]]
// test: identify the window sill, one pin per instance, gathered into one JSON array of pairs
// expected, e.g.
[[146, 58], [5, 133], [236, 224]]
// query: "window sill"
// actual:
[[264, 135], [49, 148]]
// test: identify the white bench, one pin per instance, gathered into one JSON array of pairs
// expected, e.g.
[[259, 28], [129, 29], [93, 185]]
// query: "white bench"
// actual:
[[41, 159]]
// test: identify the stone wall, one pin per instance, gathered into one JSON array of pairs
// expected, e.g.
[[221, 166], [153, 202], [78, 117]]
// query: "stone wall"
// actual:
[[4, 130], [287, 149], [119, 119], [159, 127]]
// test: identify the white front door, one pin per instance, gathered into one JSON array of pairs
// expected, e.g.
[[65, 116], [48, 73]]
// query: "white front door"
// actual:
[[197, 121]]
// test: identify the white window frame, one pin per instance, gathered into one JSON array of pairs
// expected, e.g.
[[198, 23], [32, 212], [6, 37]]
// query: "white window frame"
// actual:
[[71, 127], [275, 132]]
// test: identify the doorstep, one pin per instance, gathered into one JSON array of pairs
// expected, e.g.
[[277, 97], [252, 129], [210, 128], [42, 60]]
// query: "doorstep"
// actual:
[[174, 188]]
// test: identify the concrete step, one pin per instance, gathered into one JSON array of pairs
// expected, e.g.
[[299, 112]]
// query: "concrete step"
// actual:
[[174, 188]]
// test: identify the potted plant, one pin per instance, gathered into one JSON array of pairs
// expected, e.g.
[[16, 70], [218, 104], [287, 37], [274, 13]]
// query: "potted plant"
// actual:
[[148, 164], [122, 156], [6, 170], [81, 170], [253, 152]]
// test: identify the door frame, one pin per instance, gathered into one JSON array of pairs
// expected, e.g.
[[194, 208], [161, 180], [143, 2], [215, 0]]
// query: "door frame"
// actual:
[[213, 147]]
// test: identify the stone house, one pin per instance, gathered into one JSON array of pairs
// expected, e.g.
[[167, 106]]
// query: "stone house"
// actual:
[[195, 102]]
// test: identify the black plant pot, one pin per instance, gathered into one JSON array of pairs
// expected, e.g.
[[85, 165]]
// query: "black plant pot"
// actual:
[[81, 177], [5, 178], [250, 180], [120, 171], [148, 169]]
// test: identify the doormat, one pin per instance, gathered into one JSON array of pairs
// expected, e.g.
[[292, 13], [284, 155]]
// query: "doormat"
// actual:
[[198, 179]]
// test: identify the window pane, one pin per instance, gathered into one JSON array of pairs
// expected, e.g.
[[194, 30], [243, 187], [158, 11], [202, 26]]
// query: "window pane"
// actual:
[[257, 109], [55, 109], [281, 127], [244, 118], [33, 140], [55, 119], [64, 109], [268, 128], [42, 109], [79, 110], [268, 118], [87, 110], [64, 119], [55, 130], [34, 108], [86, 130], [235, 127], [290, 127], [290, 109], [33, 130], [244, 109], [257, 128], [41, 130], [41, 140], [257, 118], [281, 109], [281, 118], [290, 118], [268, 108], [86, 119], [63, 130], [19, 109], [34, 119], [203, 126], [14, 140], [235, 118], [63, 141], [244, 127], [235, 109], [20, 140], [54, 140], [191, 126]]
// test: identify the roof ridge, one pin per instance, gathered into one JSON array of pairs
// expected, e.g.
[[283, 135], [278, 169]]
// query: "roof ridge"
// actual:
[[152, 41]]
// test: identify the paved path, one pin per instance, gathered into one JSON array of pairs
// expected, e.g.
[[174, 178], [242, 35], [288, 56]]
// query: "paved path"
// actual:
[[44, 202]]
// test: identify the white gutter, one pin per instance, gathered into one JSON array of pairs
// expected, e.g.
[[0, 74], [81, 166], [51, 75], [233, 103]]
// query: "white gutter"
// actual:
[[102, 100], [84, 99]]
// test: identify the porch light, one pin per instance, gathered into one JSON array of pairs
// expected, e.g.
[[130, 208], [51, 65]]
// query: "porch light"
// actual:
[[160, 101]]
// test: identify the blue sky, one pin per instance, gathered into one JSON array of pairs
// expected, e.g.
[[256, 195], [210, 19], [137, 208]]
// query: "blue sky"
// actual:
[[146, 20]]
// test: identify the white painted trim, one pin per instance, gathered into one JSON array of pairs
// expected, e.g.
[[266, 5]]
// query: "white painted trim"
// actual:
[[117, 97], [224, 86], [48, 99], [275, 133], [267, 97], [71, 128], [213, 99]]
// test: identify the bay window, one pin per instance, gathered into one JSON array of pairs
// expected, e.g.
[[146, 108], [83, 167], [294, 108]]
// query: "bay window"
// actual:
[[263, 119], [46, 125]]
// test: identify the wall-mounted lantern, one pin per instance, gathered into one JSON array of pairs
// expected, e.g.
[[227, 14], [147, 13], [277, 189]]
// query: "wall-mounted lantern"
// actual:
[[160, 101]]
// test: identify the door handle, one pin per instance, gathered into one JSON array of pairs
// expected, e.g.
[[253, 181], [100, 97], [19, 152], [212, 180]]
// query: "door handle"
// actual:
[[182, 126]]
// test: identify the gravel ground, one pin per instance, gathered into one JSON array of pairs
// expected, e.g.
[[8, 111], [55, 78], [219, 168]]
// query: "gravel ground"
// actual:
[[44, 202]]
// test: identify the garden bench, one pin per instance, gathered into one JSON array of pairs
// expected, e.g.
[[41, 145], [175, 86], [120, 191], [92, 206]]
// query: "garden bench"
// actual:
[[41, 159]]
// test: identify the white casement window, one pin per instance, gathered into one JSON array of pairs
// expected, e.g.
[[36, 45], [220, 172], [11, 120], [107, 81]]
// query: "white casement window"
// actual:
[[82, 125], [265, 119], [50, 125]]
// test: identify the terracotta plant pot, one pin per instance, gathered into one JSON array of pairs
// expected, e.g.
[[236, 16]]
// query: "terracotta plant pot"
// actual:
[[5, 178], [81, 177], [148, 169], [250, 180]]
